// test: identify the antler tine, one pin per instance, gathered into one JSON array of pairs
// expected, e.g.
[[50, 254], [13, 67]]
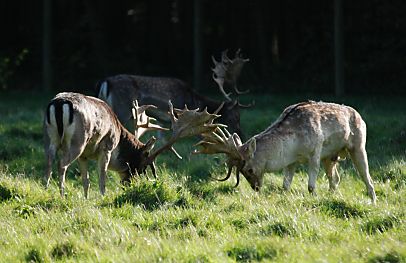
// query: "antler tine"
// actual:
[[221, 141], [224, 57], [214, 61], [220, 82], [227, 71], [142, 122], [187, 123]]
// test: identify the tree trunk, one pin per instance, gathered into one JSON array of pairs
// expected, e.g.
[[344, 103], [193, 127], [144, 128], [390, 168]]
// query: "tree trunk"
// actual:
[[338, 47], [197, 45], [46, 46]]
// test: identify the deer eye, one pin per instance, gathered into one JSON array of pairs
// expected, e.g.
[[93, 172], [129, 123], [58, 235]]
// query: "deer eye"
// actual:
[[250, 171]]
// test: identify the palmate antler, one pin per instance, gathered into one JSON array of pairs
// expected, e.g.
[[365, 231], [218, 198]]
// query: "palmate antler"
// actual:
[[228, 71], [220, 141], [187, 123]]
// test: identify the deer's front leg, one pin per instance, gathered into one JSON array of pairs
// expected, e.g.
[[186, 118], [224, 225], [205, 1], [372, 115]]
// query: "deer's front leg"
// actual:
[[314, 166], [289, 172], [103, 162]]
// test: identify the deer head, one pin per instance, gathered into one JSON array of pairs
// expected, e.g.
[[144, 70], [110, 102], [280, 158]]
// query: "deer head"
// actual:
[[227, 71]]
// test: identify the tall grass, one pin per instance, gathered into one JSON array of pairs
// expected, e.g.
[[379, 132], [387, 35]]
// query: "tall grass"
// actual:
[[185, 216]]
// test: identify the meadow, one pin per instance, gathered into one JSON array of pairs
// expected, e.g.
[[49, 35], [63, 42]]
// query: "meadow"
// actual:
[[184, 216]]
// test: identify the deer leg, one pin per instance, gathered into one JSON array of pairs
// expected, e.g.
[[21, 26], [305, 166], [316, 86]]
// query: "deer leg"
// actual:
[[289, 172], [360, 160], [332, 174], [70, 155], [153, 169], [85, 175], [62, 171], [50, 156], [314, 166], [104, 159]]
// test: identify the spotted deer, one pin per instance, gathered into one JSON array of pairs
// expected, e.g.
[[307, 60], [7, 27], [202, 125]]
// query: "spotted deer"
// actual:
[[85, 128], [119, 91], [312, 132]]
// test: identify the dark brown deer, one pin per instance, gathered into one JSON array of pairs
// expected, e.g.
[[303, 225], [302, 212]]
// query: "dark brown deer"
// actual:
[[121, 90], [312, 132], [85, 128]]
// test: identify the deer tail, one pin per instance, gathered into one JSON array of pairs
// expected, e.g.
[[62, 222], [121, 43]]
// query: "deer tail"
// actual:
[[60, 115]]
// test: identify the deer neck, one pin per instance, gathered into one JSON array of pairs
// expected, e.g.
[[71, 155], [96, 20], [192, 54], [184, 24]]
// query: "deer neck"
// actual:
[[275, 151], [128, 153], [202, 102]]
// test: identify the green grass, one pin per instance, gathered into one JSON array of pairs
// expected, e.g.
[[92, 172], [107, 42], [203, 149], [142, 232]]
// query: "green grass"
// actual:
[[185, 216]]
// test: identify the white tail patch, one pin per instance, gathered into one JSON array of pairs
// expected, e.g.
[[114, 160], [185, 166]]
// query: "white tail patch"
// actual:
[[68, 128], [52, 119], [103, 90]]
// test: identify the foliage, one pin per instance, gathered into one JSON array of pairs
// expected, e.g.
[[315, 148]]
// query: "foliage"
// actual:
[[9, 66], [184, 216]]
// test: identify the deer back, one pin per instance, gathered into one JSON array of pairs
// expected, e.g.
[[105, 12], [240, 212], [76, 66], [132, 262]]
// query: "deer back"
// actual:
[[119, 92]]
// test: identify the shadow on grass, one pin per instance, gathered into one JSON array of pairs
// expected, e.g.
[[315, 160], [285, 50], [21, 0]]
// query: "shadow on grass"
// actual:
[[152, 195], [390, 257], [341, 209], [251, 252], [381, 224]]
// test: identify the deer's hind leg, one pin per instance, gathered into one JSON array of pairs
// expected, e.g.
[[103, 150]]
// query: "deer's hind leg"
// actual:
[[330, 166], [84, 174], [103, 162], [50, 156], [360, 160], [70, 152]]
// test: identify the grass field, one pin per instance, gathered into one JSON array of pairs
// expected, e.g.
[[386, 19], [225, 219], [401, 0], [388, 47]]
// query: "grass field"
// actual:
[[186, 217]]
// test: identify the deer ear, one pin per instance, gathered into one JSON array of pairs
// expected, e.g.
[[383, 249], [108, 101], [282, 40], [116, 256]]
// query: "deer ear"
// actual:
[[252, 147]]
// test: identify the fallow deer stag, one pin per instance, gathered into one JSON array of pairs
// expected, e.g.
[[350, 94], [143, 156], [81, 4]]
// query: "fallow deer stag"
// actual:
[[311, 132], [83, 128], [119, 91]]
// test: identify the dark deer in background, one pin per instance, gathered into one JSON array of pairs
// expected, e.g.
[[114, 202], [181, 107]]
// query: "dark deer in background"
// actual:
[[85, 128], [119, 92], [312, 132]]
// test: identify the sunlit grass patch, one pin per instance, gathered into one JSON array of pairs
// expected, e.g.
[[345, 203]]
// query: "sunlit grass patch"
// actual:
[[185, 216]]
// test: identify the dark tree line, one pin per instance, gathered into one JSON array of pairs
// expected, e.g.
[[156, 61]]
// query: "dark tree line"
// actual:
[[291, 44]]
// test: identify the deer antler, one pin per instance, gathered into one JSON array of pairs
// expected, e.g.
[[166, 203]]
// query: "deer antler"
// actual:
[[220, 141], [142, 122], [228, 71], [187, 123]]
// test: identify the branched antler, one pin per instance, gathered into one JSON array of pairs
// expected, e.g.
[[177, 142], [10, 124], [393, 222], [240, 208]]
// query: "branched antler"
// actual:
[[143, 122], [228, 71], [187, 123], [220, 141]]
